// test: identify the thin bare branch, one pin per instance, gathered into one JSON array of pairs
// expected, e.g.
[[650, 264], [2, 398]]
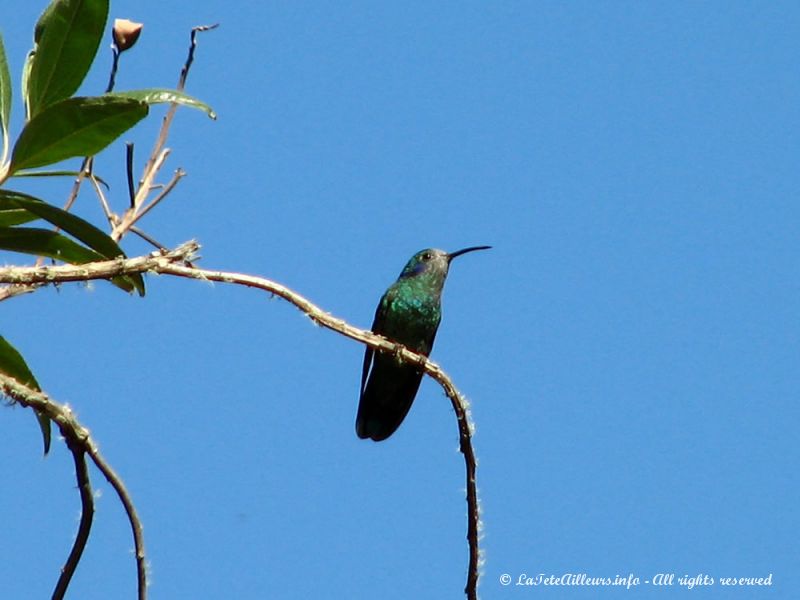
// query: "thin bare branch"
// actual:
[[176, 177], [145, 186], [84, 172], [133, 517], [148, 238], [129, 172], [159, 153], [192, 47], [112, 77], [110, 216], [173, 263], [87, 514], [12, 291], [86, 168]]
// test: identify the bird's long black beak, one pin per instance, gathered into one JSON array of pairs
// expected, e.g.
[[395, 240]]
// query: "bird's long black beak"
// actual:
[[452, 255]]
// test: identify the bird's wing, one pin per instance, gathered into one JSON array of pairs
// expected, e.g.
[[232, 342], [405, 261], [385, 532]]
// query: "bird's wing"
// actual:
[[377, 327]]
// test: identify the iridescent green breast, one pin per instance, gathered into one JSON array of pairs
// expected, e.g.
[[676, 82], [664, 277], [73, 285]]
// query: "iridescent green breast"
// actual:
[[411, 314]]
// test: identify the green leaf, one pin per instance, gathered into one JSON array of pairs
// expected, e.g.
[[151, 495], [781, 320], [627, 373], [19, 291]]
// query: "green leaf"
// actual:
[[5, 101], [43, 242], [83, 230], [15, 216], [160, 96], [66, 38], [73, 225], [60, 173], [74, 127], [13, 365]]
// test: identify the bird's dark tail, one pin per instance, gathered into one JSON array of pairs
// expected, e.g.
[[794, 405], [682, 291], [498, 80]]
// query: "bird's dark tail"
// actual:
[[386, 398]]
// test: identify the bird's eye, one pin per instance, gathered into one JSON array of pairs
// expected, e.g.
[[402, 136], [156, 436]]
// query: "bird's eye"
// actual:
[[427, 256]]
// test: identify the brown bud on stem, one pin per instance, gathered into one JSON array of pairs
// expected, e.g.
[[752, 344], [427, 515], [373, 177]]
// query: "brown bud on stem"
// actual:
[[125, 33]]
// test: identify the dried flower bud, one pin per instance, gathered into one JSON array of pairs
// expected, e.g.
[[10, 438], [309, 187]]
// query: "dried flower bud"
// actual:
[[125, 33]]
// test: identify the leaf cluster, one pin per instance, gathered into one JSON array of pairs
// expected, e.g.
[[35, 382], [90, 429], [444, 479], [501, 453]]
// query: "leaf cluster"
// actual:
[[59, 125]]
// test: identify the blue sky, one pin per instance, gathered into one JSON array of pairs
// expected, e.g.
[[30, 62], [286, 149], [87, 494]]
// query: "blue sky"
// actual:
[[629, 346]]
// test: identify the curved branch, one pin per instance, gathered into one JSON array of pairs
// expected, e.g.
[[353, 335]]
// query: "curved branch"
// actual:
[[133, 518], [170, 263], [87, 514], [79, 440], [460, 404]]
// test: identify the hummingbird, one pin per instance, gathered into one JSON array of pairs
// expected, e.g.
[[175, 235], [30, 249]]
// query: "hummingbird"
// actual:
[[409, 314]]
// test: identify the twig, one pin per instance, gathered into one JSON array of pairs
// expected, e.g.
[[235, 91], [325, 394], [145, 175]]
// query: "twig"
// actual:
[[15, 290], [86, 168], [145, 185], [80, 437], [129, 171], [192, 47], [83, 172], [159, 153], [169, 263], [114, 66], [110, 216], [133, 517], [87, 514], [147, 238], [176, 177]]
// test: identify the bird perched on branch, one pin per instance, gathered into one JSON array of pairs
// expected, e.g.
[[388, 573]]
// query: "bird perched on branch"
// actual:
[[408, 313]]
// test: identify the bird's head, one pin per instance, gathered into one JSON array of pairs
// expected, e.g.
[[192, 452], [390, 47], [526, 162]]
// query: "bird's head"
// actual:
[[433, 262]]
